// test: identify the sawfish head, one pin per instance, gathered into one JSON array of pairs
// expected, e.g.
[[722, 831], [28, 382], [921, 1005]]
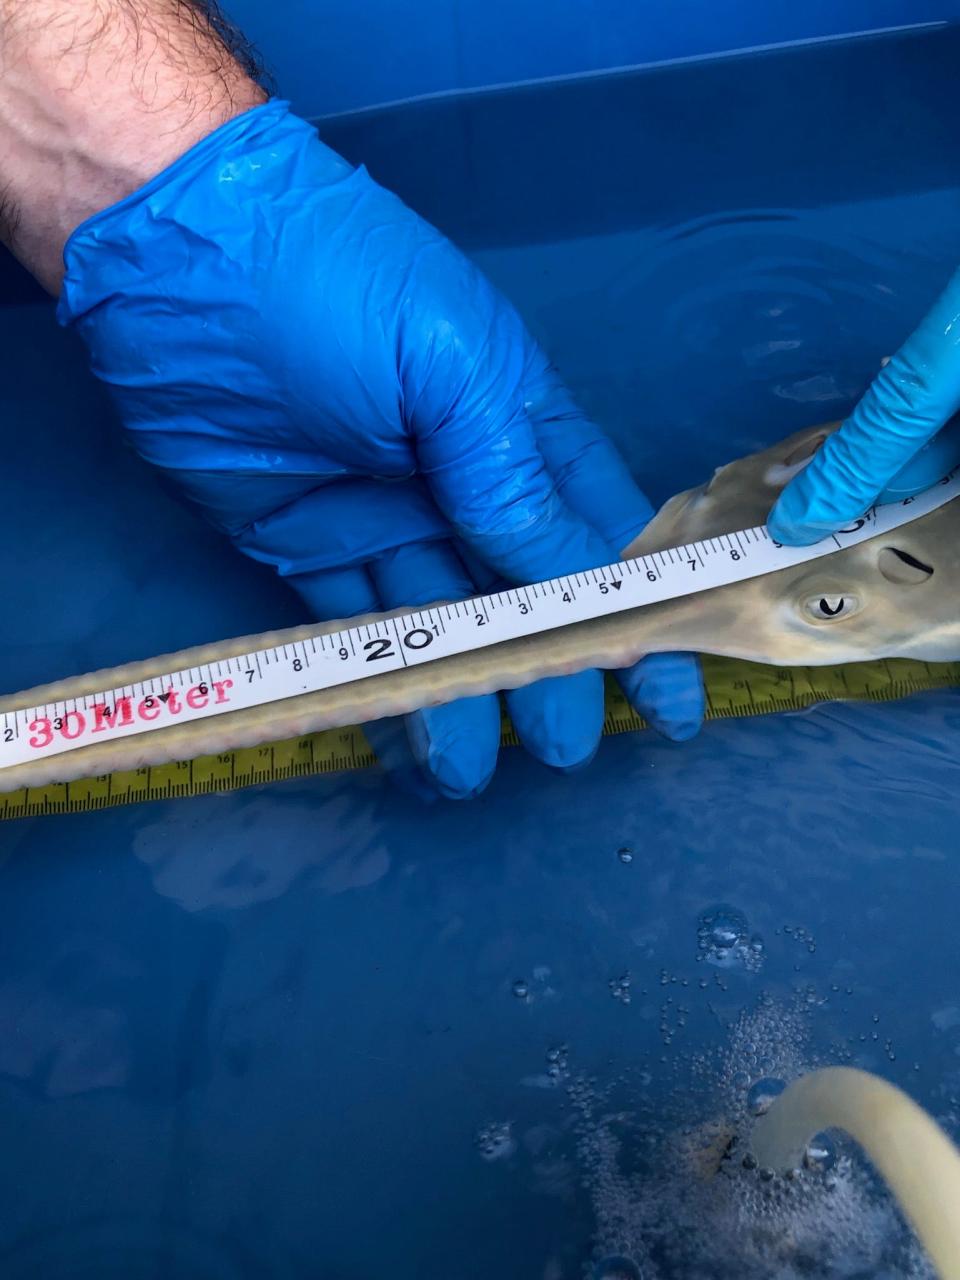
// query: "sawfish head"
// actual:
[[896, 595]]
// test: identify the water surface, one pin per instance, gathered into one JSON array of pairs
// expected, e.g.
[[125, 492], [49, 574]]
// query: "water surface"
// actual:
[[319, 1030]]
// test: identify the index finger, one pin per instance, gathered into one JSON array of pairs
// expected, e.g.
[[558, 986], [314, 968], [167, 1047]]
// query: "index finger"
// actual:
[[899, 415]]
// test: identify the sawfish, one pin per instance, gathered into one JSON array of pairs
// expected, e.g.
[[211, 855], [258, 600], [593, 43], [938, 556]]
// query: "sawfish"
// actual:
[[895, 595]]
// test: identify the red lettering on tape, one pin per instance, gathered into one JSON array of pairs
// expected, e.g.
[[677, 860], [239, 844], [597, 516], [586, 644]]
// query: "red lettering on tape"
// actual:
[[104, 718], [198, 697], [221, 687], [77, 728]]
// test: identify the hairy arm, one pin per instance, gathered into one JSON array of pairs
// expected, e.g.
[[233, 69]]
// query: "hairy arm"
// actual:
[[97, 96]]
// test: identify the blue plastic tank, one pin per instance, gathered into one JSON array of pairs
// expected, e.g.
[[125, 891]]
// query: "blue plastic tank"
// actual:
[[319, 1030]]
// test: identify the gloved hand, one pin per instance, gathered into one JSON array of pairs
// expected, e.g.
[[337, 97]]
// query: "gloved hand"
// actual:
[[892, 445], [345, 395]]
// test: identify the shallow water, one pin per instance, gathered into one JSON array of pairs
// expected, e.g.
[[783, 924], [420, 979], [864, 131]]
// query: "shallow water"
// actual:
[[319, 1030]]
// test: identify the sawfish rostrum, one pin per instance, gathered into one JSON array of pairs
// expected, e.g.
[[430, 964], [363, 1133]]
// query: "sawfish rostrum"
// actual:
[[895, 595]]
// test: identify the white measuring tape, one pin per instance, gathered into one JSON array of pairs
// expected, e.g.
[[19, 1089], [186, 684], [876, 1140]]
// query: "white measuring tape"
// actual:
[[426, 635]]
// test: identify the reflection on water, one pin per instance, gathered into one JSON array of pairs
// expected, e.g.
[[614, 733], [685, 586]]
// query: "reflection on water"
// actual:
[[714, 338], [269, 850], [60, 1048]]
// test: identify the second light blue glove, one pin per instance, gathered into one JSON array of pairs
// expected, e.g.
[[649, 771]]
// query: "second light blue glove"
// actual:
[[897, 442], [346, 396]]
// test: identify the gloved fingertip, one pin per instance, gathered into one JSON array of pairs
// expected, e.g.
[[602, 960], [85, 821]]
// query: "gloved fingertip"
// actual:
[[821, 499], [575, 762], [667, 690], [678, 730], [453, 781], [560, 720], [456, 745], [793, 531], [787, 521]]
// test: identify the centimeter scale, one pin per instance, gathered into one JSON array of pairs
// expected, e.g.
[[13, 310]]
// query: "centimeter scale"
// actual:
[[325, 661]]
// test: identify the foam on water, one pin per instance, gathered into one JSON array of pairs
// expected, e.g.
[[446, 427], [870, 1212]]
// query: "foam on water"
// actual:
[[674, 1192]]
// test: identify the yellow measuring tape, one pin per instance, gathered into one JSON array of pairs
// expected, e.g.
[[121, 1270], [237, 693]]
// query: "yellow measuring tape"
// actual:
[[733, 689]]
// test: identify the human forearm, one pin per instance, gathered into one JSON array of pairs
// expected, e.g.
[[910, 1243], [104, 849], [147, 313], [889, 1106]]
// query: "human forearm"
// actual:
[[96, 96]]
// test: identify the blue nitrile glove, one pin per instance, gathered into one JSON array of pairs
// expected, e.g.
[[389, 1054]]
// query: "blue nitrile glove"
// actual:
[[348, 398], [897, 442]]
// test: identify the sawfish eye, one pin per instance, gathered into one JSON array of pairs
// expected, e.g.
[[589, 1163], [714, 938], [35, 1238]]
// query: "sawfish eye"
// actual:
[[827, 608]]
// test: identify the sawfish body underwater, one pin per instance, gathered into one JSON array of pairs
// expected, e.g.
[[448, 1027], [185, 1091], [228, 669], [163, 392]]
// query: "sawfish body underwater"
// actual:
[[896, 595]]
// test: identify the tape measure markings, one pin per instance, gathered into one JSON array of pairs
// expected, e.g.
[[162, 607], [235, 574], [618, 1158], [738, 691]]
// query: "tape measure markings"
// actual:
[[333, 659], [771, 690]]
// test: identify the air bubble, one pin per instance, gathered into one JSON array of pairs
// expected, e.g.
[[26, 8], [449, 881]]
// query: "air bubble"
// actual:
[[762, 1094], [557, 1068], [821, 1154], [496, 1141], [723, 939], [620, 988], [724, 934]]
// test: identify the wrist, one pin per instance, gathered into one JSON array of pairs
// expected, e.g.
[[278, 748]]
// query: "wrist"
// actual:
[[96, 97]]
